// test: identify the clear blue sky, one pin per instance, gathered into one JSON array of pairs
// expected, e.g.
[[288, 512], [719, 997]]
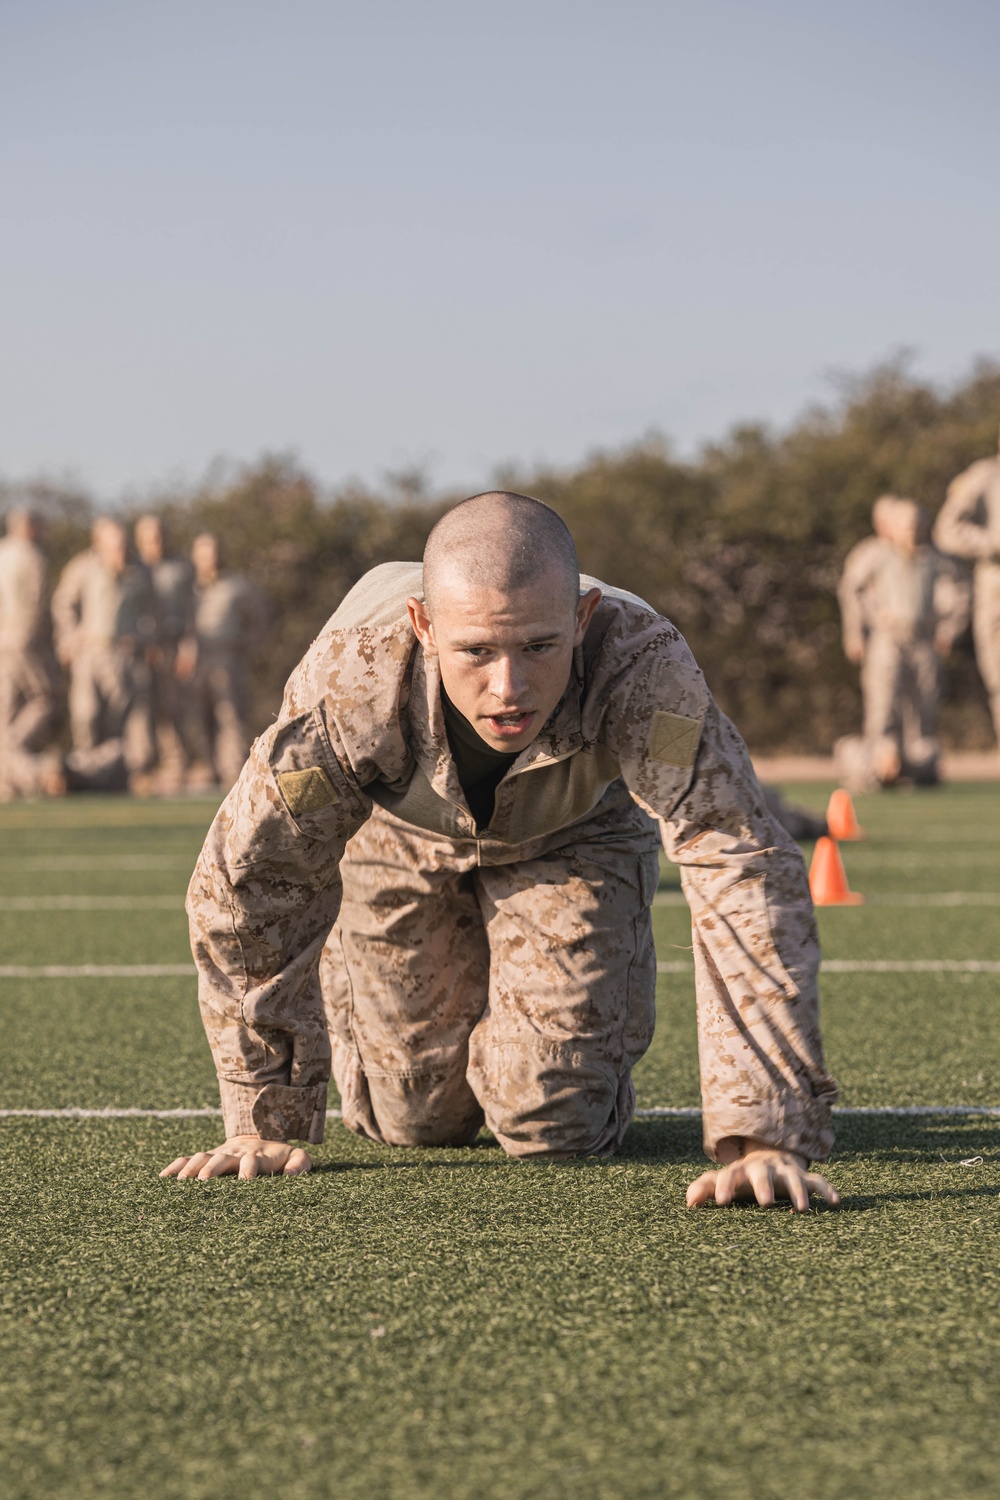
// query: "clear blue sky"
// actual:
[[449, 233]]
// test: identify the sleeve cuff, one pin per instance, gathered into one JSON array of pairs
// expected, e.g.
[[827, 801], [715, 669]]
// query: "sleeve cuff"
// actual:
[[274, 1111], [803, 1125]]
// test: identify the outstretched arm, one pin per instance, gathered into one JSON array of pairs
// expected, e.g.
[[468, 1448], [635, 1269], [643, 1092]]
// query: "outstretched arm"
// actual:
[[755, 944], [263, 898]]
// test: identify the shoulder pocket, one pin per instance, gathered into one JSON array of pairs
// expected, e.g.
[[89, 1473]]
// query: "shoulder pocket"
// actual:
[[293, 793]]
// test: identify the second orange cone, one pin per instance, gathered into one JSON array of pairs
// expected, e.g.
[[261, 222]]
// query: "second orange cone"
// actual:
[[841, 819], [828, 879]]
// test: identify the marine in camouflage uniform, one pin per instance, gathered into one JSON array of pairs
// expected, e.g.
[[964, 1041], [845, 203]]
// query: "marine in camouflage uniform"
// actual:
[[229, 620], [350, 909], [103, 614], [968, 527], [29, 686], [172, 580], [903, 604]]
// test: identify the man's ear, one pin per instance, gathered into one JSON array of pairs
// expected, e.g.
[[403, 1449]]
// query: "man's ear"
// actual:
[[421, 622], [585, 613]]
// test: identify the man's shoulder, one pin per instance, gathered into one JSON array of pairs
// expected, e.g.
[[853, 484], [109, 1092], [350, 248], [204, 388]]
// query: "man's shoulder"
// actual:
[[363, 650], [869, 550], [378, 599]]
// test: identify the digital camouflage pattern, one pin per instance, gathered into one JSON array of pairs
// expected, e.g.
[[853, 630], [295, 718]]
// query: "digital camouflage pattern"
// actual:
[[343, 895], [29, 689], [968, 526], [228, 622], [903, 612], [103, 622]]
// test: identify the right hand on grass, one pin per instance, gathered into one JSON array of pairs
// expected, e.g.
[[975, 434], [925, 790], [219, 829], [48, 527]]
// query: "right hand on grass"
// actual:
[[243, 1155]]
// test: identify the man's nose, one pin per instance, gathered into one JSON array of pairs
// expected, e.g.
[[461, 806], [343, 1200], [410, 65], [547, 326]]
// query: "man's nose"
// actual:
[[507, 680]]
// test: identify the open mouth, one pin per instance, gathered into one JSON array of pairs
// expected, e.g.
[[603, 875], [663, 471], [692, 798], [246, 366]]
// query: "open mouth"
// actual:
[[509, 726]]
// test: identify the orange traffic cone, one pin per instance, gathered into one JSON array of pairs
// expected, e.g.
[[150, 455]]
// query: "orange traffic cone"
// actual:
[[827, 878], [841, 819]]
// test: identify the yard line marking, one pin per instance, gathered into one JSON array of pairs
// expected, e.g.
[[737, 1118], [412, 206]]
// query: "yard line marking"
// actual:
[[97, 971], [103, 861], [111, 1114], [911, 966], [936, 898], [91, 903], [888, 898], [185, 971], [880, 966], [906, 1111], [659, 1112]]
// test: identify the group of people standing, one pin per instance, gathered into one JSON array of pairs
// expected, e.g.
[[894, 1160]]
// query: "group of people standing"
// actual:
[[146, 651], [906, 595], [154, 648]]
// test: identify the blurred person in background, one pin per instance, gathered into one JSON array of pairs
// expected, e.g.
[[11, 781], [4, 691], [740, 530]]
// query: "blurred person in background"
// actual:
[[229, 622], [30, 690], [968, 527], [903, 605], [172, 580], [104, 614]]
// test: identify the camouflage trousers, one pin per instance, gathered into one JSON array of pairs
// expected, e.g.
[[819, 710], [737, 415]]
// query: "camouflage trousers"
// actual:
[[517, 990], [110, 720], [29, 702], [900, 685], [219, 719], [986, 635]]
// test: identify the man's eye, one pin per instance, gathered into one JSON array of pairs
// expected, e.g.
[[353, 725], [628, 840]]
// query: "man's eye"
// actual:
[[537, 647], [474, 651]]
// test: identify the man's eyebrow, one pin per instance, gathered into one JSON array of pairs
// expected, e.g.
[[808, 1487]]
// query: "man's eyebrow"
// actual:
[[463, 643]]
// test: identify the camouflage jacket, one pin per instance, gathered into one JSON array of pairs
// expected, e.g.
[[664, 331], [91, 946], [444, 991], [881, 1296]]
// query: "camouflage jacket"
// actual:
[[362, 722]]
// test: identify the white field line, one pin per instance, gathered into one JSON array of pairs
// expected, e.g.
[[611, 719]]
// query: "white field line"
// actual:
[[885, 898], [659, 1112], [91, 903], [881, 966], [665, 898], [103, 861], [185, 971], [97, 971]]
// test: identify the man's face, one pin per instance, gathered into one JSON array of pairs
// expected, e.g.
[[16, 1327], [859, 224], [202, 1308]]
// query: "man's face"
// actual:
[[205, 557], [906, 529], [149, 540], [111, 546], [505, 658]]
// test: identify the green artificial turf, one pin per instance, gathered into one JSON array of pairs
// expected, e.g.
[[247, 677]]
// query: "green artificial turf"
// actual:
[[411, 1325]]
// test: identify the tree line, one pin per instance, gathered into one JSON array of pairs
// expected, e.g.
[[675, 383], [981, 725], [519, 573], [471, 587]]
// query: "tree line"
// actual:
[[741, 547]]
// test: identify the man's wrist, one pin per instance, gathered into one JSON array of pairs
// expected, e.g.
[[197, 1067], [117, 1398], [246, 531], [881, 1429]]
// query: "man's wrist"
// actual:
[[733, 1148]]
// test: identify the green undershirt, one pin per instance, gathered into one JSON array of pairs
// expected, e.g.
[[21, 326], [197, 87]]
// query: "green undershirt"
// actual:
[[480, 768]]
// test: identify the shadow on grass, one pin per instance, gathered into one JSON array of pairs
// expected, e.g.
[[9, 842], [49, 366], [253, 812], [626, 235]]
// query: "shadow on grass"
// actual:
[[864, 1202], [677, 1142]]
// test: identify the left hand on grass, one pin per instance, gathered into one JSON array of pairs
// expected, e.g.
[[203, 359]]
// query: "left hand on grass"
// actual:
[[752, 1170], [244, 1155]]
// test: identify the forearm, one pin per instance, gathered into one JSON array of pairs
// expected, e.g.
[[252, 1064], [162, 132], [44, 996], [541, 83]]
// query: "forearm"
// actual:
[[263, 898], [261, 1005], [756, 961], [756, 956]]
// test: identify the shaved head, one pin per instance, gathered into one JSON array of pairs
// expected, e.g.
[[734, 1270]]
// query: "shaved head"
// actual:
[[501, 542]]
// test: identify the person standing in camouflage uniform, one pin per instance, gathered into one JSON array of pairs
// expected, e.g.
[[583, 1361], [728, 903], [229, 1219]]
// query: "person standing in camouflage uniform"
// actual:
[[104, 616], [903, 605], [230, 617], [29, 687], [968, 527], [172, 579], [436, 872]]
